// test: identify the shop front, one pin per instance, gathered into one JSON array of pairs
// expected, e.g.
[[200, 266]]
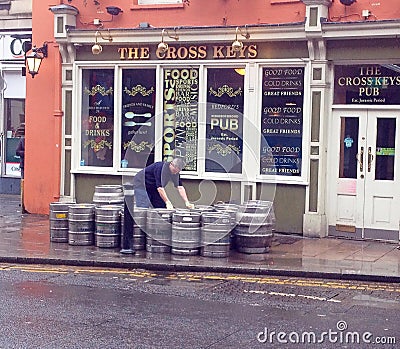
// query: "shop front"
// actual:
[[236, 118], [12, 111], [302, 112]]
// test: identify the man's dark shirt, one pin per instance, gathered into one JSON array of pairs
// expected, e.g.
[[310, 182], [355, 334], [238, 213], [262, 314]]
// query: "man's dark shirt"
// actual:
[[155, 176]]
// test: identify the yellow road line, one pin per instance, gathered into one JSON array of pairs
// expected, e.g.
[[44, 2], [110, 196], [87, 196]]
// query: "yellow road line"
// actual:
[[191, 277]]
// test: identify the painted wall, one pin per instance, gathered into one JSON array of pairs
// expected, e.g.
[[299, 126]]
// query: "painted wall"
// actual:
[[43, 126], [196, 13], [226, 12]]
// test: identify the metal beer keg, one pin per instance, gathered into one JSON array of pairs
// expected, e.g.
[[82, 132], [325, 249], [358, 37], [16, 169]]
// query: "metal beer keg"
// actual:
[[158, 230], [215, 234], [81, 224], [139, 228], [107, 226], [255, 227], [108, 194], [58, 217], [185, 232]]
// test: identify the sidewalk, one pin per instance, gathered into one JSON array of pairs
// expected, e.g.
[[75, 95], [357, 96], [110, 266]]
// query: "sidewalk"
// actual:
[[25, 238]]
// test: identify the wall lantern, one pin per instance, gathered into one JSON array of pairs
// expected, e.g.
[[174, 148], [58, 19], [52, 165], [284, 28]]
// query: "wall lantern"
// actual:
[[33, 60], [237, 45], [163, 46], [347, 2], [113, 10]]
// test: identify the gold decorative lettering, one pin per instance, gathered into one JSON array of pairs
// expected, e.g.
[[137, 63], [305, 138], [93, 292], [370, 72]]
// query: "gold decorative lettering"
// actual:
[[225, 89], [98, 89], [139, 89]]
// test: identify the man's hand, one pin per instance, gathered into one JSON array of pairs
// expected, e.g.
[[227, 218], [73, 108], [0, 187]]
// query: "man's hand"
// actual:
[[189, 205], [169, 205]]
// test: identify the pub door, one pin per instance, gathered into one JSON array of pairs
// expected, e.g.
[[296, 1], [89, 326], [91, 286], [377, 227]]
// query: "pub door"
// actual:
[[364, 177]]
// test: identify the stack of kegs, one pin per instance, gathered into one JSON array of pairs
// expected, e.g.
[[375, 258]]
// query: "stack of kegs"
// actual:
[[255, 226], [107, 226], [109, 200], [59, 221], [186, 232], [139, 215], [81, 224], [159, 230]]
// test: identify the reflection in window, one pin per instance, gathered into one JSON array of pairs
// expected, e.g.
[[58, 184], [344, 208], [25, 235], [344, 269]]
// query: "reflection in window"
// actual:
[[138, 106], [224, 129], [348, 148], [15, 129], [180, 115], [385, 148], [97, 128]]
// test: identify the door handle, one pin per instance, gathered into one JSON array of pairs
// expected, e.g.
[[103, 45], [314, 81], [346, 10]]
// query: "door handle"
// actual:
[[370, 159], [360, 159]]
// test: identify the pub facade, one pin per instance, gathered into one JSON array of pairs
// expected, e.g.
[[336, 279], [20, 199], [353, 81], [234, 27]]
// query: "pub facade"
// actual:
[[303, 112], [15, 33]]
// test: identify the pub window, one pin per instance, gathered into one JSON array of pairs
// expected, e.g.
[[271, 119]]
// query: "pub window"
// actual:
[[138, 119], [282, 121], [97, 118], [224, 120], [180, 115]]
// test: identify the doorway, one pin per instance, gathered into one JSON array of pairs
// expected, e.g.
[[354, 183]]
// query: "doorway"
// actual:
[[363, 175]]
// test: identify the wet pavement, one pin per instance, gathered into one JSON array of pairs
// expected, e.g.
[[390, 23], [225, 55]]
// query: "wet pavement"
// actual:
[[25, 238]]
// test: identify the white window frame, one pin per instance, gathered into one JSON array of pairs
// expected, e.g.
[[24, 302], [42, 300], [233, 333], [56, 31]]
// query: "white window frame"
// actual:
[[303, 179], [252, 108]]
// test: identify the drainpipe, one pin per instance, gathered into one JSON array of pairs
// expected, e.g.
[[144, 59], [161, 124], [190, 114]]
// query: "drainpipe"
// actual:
[[58, 114]]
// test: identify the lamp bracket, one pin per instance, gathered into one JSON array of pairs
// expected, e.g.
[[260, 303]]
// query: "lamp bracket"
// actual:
[[109, 38], [43, 50], [245, 34], [175, 36]]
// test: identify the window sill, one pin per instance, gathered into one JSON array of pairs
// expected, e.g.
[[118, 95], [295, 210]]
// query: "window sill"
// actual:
[[156, 7], [277, 2]]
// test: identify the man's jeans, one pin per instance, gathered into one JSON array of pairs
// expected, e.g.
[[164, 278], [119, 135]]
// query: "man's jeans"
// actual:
[[141, 198]]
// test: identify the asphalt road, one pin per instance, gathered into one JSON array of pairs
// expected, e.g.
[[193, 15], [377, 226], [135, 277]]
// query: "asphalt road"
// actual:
[[67, 307]]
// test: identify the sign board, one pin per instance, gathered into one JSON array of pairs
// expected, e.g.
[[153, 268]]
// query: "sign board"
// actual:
[[282, 121], [374, 84]]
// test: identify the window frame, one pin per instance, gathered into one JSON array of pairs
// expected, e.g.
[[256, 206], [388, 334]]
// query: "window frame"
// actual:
[[159, 2], [305, 143]]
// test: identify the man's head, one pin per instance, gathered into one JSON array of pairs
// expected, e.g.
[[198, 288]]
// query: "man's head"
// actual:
[[176, 165]]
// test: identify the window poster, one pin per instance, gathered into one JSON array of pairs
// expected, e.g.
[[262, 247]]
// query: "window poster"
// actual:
[[224, 129], [180, 115], [138, 107], [282, 121], [97, 128]]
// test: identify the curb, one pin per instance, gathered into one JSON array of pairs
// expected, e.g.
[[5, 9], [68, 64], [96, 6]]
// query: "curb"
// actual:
[[199, 269]]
